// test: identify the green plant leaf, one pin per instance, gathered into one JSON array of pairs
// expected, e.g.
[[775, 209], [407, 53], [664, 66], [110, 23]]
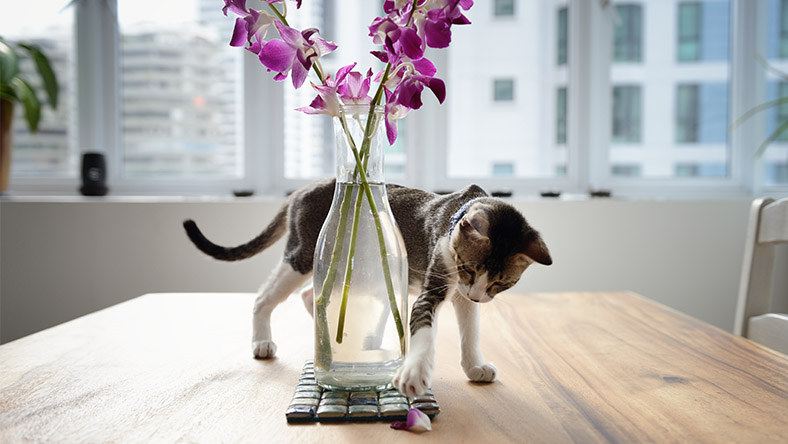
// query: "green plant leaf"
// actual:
[[29, 101], [9, 63], [46, 72], [772, 137], [756, 109]]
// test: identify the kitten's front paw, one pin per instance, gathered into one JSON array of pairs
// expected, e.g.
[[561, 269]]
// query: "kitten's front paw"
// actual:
[[413, 378], [263, 349], [482, 373]]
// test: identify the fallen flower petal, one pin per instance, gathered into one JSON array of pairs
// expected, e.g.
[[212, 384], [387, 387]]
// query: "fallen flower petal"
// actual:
[[416, 421]]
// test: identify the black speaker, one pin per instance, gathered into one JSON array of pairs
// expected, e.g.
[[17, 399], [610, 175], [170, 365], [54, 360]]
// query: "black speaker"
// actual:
[[94, 174]]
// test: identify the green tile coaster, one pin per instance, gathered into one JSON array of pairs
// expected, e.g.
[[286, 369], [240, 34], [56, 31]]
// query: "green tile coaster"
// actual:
[[312, 403]]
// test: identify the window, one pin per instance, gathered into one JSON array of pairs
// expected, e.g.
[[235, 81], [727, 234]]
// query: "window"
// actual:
[[689, 31], [703, 32], [503, 90], [178, 93], [482, 128], [626, 114], [773, 159], [502, 169], [562, 35], [780, 111], [701, 170], [783, 29], [504, 8], [625, 170], [567, 112], [627, 34], [560, 106], [701, 113], [51, 152], [687, 112]]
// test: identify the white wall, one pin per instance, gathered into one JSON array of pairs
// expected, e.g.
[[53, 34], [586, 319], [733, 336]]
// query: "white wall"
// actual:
[[60, 259]]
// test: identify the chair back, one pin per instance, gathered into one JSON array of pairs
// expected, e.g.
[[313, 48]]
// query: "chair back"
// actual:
[[768, 226]]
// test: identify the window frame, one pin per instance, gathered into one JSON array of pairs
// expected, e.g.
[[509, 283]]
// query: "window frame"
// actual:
[[589, 30]]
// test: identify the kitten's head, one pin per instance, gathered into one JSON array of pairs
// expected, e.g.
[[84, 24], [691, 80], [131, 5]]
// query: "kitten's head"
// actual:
[[491, 246]]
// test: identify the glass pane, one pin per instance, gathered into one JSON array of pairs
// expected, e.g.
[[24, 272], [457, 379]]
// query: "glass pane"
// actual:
[[670, 109], [774, 159], [51, 151], [689, 31], [179, 90], [504, 7], [520, 129], [627, 34], [309, 139]]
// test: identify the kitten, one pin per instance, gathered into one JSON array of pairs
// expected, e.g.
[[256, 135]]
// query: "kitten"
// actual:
[[465, 247]]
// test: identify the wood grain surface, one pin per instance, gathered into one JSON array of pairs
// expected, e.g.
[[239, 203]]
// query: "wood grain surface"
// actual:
[[572, 367]]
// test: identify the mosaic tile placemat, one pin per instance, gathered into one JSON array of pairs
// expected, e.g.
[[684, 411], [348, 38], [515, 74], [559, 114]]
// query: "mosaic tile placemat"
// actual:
[[312, 403]]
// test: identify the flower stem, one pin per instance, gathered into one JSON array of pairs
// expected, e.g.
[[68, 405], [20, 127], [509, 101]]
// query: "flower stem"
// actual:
[[349, 266], [322, 335], [361, 166]]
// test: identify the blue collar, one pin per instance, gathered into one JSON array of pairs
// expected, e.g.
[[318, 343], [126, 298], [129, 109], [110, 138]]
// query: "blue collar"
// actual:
[[455, 219]]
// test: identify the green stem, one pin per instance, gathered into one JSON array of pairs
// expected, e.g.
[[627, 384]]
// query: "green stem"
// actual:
[[360, 164], [322, 335], [349, 266]]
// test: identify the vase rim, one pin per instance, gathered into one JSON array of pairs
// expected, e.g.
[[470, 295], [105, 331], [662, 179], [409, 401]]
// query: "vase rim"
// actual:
[[359, 107]]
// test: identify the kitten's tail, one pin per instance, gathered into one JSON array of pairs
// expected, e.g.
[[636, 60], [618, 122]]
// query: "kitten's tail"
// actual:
[[275, 230]]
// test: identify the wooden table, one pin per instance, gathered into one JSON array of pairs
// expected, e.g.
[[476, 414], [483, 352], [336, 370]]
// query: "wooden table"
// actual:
[[573, 367]]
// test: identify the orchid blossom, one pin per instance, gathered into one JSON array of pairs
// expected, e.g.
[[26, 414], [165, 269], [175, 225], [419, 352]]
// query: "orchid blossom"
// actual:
[[404, 32]]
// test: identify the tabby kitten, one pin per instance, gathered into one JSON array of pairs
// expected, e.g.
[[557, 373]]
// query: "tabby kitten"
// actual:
[[465, 247]]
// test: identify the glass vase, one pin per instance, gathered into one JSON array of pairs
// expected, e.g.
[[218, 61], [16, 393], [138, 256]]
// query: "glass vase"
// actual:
[[360, 267]]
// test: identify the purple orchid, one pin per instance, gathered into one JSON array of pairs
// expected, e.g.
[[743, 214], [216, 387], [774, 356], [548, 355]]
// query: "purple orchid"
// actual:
[[294, 53], [406, 30], [327, 99], [354, 88], [349, 87], [397, 40], [252, 25]]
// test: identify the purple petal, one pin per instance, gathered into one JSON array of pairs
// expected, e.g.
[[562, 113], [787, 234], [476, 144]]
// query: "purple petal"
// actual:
[[391, 134], [288, 34], [237, 6], [416, 421], [342, 72], [239, 33], [298, 74], [381, 55], [277, 55], [318, 106], [323, 46], [438, 88], [437, 30], [409, 94], [411, 43], [425, 67]]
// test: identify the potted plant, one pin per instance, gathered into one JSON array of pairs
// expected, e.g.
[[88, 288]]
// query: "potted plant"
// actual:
[[14, 87]]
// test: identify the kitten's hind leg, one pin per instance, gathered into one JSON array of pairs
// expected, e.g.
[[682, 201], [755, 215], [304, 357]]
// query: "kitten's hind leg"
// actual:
[[283, 281], [471, 358], [308, 297]]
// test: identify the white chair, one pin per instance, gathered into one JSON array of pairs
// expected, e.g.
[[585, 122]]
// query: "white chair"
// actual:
[[767, 227]]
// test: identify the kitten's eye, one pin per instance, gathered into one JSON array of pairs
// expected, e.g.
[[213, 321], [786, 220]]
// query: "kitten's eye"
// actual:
[[497, 287], [466, 274]]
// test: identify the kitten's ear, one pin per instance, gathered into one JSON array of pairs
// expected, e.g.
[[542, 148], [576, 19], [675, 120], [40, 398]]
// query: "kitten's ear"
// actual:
[[474, 228], [537, 251], [479, 221]]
